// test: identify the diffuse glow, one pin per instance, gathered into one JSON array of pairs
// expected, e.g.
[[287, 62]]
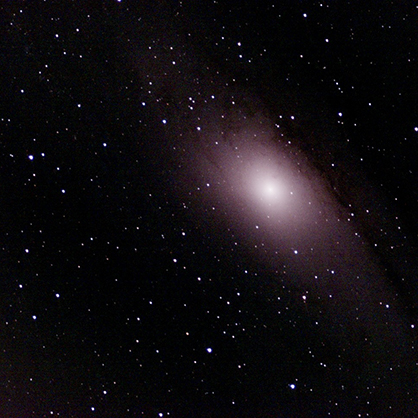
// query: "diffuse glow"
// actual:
[[265, 194], [268, 187], [257, 181]]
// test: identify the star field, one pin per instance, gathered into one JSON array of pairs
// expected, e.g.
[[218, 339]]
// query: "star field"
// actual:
[[209, 209]]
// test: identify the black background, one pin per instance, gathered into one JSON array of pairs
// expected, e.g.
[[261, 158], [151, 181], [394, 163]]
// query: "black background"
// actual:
[[129, 332]]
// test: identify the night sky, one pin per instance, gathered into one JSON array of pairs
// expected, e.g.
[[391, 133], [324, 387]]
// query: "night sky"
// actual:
[[209, 209]]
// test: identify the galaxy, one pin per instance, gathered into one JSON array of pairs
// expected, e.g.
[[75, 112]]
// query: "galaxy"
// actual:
[[209, 209]]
